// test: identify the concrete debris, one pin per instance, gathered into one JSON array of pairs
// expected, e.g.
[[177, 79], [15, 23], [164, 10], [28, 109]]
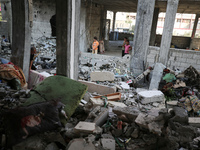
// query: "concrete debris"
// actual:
[[116, 112], [151, 96], [100, 89], [102, 76], [108, 144], [156, 76], [80, 144], [194, 121], [85, 127]]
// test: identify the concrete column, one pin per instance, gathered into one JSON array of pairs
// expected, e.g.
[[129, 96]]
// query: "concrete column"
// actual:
[[21, 35], [102, 22], [172, 6], [154, 26], [194, 29], [114, 20], [68, 37], [142, 34]]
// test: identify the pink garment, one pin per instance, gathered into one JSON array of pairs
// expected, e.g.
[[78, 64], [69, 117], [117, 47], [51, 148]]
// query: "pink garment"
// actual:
[[127, 47]]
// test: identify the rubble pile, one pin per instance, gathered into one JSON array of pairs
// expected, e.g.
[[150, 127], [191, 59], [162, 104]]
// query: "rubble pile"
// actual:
[[10, 98], [46, 53], [118, 66], [108, 108]]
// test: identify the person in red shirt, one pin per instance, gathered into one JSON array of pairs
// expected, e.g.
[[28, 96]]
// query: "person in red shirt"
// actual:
[[95, 46]]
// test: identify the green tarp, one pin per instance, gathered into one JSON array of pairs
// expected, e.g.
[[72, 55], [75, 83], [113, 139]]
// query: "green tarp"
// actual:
[[60, 88]]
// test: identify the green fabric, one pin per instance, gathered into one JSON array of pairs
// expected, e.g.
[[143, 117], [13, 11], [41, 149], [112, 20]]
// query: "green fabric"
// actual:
[[60, 88], [169, 77]]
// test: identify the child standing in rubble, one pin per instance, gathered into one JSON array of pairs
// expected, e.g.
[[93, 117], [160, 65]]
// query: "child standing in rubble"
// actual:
[[33, 52], [127, 47], [124, 43], [102, 48], [95, 46]]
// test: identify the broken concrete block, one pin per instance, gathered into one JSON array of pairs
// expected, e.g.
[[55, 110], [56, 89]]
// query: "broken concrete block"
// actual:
[[108, 144], [130, 112], [147, 97], [135, 133], [59, 88], [80, 144], [85, 127], [102, 76], [100, 89], [181, 115], [140, 120], [143, 120], [140, 90], [155, 128], [194, 121], [98, 115], [116, 104], [124, 85], [157, 75], [172, 104]]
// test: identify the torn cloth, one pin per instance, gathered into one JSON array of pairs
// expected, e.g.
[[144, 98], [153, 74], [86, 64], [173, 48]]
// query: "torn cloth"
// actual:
[[10, 71]]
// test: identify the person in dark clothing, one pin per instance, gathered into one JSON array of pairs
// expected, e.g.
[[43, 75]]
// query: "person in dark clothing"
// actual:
[[4, 42], [33, 52]]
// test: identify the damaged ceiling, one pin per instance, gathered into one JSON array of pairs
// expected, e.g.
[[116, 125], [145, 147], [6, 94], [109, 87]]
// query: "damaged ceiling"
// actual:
[[185, 6]]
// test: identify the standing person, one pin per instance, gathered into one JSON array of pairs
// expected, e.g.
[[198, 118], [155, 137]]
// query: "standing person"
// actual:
[[123, 46], [4, 42], [128, 47], [102, 48], [33, 52], [95, 46]]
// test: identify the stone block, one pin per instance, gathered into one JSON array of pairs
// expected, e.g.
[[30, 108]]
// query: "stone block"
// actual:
[[191, 61], [85, 127], [100, 89], [108, 144], [181, 115], [198, 62], [194, 121], [102, 76], [187, 55], [196, 56], [130, 112], [80, 144], [180, 59], [147, 97], [140, 120], [184, 64], [157, 75]]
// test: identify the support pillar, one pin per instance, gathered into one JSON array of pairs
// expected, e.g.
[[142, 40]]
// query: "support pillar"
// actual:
[[154, 26], [194, 29], [172, 6], [21, 35], [102, 22], [114, 20], [142, 34], [68, 37]]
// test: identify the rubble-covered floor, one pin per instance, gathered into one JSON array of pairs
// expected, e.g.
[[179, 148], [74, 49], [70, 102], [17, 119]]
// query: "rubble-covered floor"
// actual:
[[118, 111]]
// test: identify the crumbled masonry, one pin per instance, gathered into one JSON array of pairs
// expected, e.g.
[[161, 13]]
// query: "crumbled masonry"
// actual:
[[119, 113]]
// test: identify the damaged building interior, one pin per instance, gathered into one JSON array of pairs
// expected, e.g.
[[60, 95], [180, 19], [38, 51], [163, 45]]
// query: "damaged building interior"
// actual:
[[55, 94]]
